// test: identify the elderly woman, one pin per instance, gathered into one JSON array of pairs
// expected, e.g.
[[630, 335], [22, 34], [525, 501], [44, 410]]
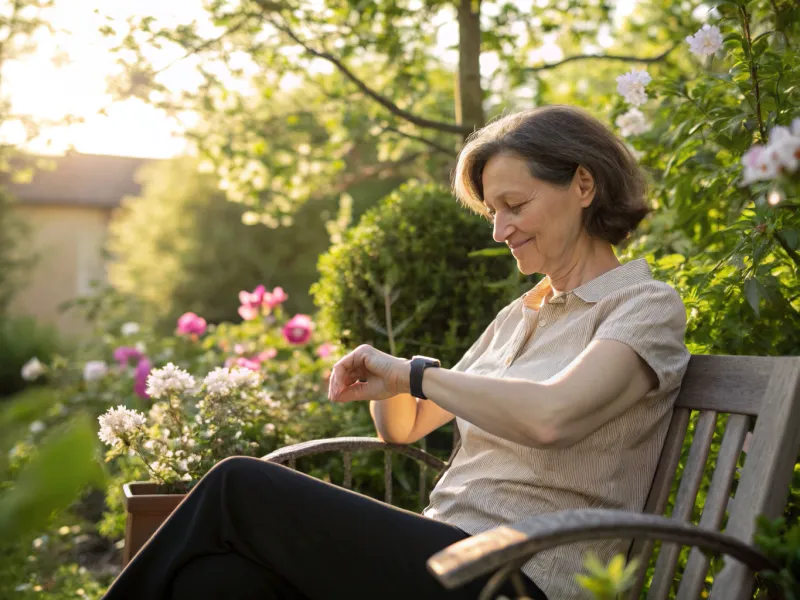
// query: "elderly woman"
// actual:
[[562, 403]]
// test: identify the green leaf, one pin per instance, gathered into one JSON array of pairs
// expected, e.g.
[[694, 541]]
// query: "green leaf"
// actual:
[[753, 295], [500, 251], [64, 466]]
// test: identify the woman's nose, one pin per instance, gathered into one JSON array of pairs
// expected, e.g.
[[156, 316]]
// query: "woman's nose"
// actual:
[[501, 228]]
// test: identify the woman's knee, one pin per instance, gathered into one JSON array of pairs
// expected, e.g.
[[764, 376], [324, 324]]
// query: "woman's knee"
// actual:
[[218, 576], [236, 470]]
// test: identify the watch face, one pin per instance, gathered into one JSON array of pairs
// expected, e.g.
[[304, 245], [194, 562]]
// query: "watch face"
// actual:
[[428, 360]]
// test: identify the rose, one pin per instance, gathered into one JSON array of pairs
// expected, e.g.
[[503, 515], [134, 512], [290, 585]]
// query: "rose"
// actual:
[[124, 354], [190, 323], [298, 329], [251, 303]]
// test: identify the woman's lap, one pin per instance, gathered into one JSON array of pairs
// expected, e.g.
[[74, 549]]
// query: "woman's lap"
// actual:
[[319, 538]]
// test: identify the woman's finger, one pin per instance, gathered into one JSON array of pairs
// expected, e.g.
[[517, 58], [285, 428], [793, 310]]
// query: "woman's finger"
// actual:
[[372, 389]]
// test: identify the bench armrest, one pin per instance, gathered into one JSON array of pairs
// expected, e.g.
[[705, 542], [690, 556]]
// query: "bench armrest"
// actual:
[[350, 444], [491, 550]]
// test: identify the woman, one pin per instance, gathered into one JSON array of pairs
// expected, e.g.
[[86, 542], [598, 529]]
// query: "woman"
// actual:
[[562, 403]]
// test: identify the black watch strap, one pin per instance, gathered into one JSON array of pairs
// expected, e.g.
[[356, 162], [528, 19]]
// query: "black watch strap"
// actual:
[[418, 366]]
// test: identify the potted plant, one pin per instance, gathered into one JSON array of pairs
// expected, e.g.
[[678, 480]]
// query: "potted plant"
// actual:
[[193, 424]]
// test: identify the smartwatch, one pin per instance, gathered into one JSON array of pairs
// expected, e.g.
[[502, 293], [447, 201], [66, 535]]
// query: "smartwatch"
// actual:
[[418, 366]]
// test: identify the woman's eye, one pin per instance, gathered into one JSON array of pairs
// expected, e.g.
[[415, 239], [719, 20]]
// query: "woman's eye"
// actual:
[[515, 209]]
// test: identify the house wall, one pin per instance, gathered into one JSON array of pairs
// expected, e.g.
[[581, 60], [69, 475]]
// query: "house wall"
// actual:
[[69, 242]]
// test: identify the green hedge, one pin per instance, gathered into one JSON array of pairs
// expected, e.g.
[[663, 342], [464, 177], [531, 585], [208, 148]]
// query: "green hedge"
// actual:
[[414, 249]]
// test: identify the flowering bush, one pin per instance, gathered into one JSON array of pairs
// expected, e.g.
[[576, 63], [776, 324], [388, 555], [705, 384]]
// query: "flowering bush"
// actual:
[[193, 426]]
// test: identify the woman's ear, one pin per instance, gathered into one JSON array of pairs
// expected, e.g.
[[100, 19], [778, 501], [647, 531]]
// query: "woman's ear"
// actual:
[[585, 185]]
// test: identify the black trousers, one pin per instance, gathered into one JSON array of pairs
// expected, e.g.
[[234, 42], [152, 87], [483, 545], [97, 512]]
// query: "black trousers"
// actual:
[[252, 529]]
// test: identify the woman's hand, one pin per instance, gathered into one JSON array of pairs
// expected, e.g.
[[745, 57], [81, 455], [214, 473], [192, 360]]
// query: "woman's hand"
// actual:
[[368, 374]]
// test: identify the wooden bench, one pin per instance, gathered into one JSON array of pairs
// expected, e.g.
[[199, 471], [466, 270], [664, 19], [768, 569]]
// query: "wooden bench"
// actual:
[[761, 394]]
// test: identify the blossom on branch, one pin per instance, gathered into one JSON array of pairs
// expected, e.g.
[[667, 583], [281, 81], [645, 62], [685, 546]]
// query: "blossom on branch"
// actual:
[[631, 86], [706, 41], [632, 122]]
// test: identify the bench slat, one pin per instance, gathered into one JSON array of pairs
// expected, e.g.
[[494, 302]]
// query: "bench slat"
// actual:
[[684, 502]]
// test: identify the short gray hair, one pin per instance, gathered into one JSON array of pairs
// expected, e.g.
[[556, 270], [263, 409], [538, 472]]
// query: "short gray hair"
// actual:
[[555, 140]]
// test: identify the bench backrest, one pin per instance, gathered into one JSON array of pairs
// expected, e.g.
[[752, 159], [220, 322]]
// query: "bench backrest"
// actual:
[[722, 398]]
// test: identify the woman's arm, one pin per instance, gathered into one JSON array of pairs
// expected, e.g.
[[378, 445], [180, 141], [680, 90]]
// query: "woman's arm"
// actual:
[[601, 383], [403, 419]]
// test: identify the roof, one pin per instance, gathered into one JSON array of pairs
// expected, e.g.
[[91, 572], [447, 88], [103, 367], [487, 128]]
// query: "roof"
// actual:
[[80, 179]]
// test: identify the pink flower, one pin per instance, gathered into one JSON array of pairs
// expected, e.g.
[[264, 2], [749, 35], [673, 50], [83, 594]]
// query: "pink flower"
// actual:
[[251, 303], [278, 296], [267, 354], [298, 329], [248, 363], [238, 348], [190, 323], [140, 377], [325, 350], [124, 354]]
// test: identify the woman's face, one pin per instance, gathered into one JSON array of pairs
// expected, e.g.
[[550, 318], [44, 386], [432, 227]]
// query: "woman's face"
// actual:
[[541, 222]]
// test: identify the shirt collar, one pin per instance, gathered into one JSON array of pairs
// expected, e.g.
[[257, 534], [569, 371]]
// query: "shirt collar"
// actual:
[[630, 273]]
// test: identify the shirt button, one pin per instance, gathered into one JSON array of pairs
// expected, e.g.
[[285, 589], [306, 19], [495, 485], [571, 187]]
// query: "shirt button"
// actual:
[[542, 323], [509, 360]]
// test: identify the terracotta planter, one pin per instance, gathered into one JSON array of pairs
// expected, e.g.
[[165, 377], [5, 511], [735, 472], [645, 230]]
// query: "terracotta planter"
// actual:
[[147, 509]]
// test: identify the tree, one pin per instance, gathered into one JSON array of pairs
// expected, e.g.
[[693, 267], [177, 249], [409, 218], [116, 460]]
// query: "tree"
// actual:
[[376, 73], [181, 246]]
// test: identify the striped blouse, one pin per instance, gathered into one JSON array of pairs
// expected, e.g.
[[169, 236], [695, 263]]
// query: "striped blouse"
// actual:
[[494, 482]]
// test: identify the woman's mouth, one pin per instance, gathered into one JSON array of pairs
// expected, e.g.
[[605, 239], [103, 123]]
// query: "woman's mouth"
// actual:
[[518, 246]]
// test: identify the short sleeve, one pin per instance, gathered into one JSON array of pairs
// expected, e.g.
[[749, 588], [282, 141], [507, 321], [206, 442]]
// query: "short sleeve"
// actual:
[[651, 319]]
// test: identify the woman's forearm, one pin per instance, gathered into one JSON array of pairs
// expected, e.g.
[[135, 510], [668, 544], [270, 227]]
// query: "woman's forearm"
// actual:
[[394, 417], [506, 408]]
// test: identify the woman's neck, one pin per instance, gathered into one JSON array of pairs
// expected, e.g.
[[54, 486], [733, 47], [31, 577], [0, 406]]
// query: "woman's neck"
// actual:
[[583, 266]]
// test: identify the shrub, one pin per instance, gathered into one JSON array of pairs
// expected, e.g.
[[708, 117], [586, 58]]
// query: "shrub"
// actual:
[[22, 338], [411, 253]]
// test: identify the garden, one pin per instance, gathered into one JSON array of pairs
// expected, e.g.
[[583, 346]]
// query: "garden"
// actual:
[[314, 214]]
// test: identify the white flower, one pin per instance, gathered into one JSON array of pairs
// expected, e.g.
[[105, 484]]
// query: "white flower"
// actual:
[[117, 424], [784, 148], [32, 370], [129, 328], [245, 378], [168, 380], [781, 154], [223, 381], [186, 477], [140, 346], [94, 370], [706, 41], [269, 428], [758, 165], [37, 427], [631, 86], [632, 122]]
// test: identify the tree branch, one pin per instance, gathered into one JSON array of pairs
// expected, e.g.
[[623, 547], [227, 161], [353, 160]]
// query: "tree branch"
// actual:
[[432, 144], [382, 100], [383, 169], [618, 57]]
